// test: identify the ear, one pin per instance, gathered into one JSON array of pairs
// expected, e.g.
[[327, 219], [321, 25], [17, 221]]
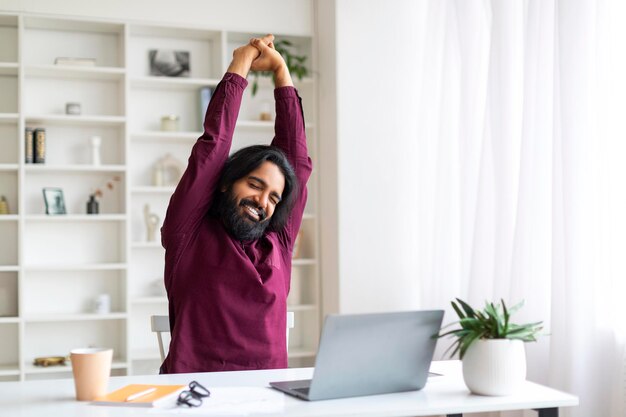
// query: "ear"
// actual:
[[223, 189]]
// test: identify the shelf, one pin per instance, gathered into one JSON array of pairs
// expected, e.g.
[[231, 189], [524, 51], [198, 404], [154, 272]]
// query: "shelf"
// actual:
[[146, 245], [165, 136], [6, 118], [106, 253], [79, 120], [75, 72], [151, 189], [301, 353], [303, 262], [41, 318], [9, 167], [149, 300], [9, 370], [85, 267], [75, 217], [9, 268], [9, 320], [172, 83], [31, 369], [8, 68], [37, 168]]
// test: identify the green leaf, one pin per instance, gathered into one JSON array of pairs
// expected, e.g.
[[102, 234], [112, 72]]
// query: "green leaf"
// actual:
[[469, 311], [516, 307], [468, 342], [506, 317], [458, 310]]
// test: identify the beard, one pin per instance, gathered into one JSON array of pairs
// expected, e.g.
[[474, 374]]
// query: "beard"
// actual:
[[238, 223]]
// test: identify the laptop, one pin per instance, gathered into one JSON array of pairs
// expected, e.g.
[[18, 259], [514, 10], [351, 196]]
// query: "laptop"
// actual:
[[367, 354]]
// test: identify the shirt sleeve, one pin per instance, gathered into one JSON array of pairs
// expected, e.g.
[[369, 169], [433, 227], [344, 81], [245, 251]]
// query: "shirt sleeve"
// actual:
[[290, 137], [194, 193]]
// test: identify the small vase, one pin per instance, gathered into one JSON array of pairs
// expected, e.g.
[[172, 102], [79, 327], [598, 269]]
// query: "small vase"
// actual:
[[92, 205], [494, 367]]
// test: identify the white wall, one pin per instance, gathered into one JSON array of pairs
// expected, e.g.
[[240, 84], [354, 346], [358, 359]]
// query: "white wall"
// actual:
[[279, 16], [375, 148]]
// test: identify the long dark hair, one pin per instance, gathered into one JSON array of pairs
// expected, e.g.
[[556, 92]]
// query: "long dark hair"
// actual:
[[246, 160]]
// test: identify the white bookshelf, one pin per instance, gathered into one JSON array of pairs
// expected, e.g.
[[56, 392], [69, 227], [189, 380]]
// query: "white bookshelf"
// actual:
[[52, 267]]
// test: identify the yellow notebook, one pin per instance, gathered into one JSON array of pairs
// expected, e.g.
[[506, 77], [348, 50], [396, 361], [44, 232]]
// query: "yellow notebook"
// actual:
[[130, 395]]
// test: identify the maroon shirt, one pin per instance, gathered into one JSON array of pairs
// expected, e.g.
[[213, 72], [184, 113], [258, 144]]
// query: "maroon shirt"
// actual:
[[228, 299]]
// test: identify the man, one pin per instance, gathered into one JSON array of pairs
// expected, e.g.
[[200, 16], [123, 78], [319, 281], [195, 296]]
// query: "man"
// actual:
[[230, 229]]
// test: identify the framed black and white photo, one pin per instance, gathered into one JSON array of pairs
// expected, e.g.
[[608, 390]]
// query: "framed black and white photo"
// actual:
[[55, 203], [169, 63]]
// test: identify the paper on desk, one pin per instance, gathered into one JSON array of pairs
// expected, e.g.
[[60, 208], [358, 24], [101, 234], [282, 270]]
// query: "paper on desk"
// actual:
[[237, 401]]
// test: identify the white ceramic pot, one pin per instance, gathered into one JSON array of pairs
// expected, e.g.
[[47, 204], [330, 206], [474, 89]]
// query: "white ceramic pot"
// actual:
[[494, 366]]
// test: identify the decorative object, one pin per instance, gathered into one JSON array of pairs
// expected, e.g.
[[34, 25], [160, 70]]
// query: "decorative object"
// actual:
[[29, 143], [50, 361], [152, 223], [167, 171], [4, 205], [266, 111], [75, 62], [491, 347], [102, 304], [107, 185], [295, 63], [169, 63], [157, 174], [55, 204], [92, 205], [205, 99], [169, 123], [72, 109], [40, 146], [96, 141]]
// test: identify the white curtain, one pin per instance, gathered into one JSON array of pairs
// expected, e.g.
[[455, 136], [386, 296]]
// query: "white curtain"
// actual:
[[522, 178]]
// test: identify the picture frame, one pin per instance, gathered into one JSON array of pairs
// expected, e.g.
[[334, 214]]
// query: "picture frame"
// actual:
[[169, 63], [55, 203]]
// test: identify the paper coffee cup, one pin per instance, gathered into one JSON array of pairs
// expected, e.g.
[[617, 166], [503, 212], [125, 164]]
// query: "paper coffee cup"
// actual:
[[91, 368]]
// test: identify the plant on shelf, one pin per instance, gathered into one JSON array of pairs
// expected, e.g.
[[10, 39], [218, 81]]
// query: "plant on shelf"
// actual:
[[491, 346], [93, 206], [294, 62]]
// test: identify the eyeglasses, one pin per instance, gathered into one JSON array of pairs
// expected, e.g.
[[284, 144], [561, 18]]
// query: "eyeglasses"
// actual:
[[194, 395]]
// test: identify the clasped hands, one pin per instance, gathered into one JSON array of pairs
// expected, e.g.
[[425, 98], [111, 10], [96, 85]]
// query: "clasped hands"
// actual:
[[260, 55]]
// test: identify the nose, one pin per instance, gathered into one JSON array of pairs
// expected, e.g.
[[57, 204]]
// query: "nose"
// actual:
[[262, 199]]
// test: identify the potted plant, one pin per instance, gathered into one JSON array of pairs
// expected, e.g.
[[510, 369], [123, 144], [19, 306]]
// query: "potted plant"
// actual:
[[491, 347], [294, 62]]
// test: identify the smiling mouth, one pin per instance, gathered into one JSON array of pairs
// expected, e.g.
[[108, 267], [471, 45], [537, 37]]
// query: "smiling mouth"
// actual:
[[252, 213]]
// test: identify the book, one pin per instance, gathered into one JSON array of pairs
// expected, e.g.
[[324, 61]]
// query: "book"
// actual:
[[156, 396]]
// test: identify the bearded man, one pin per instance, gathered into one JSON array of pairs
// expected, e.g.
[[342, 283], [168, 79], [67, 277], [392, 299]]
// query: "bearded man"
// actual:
[[230, 229]]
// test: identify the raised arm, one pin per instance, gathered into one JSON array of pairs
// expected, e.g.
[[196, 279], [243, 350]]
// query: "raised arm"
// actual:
[[194, 194], [289, 129]]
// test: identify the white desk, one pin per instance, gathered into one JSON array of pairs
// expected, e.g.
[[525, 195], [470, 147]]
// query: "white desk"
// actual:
[[442, 395]]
